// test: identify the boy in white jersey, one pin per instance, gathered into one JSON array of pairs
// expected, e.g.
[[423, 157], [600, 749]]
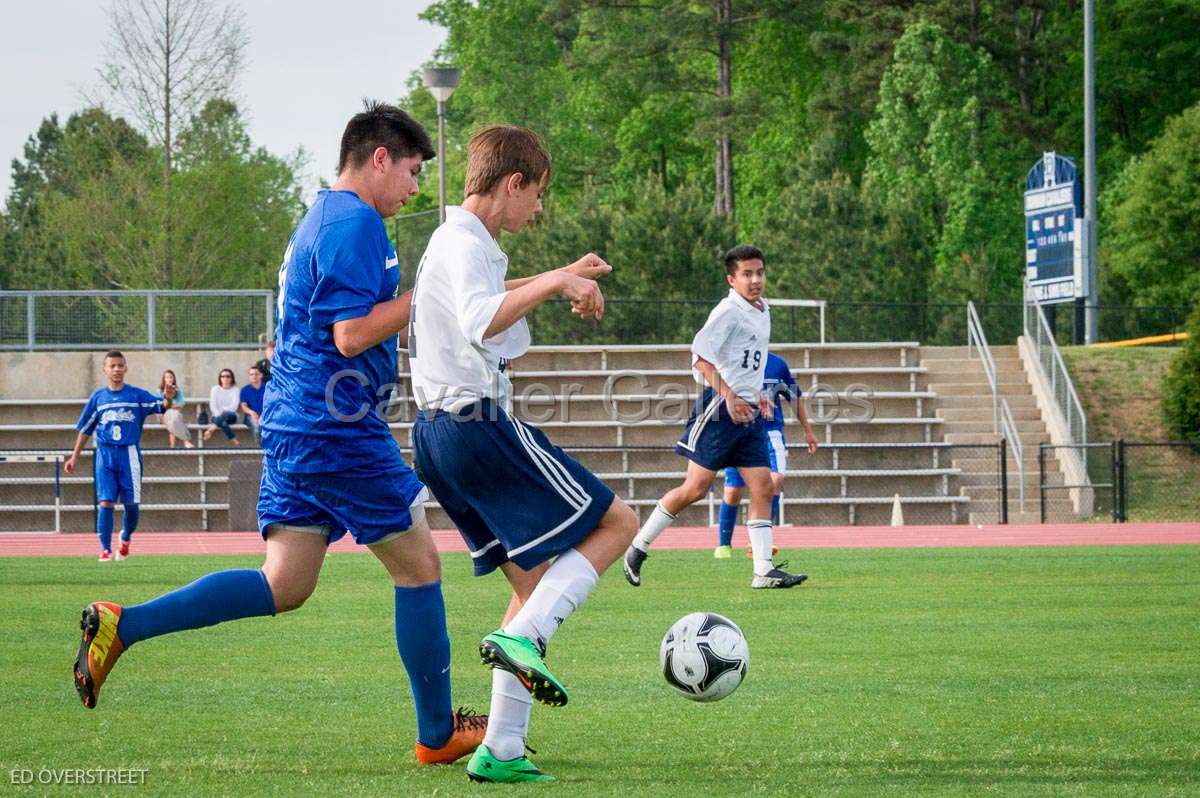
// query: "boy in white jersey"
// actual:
[[729, 356], [518, 500]]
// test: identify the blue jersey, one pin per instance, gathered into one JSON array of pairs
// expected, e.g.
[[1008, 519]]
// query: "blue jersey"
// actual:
[[116, 417], [253, 397], [779, 385], [319, 407]]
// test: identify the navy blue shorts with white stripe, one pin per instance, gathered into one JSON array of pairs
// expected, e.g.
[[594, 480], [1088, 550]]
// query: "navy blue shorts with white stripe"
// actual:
[[714, 441], [512, 493]]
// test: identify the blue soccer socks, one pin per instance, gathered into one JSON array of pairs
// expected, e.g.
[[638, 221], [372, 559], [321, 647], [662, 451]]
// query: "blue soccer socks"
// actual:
[[728, 517], [212, 599], [129, 525], [104, 526], [424, 646]]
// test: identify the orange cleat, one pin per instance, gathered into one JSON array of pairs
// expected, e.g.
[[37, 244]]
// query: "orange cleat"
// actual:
[[98, 651], [750, 552], [466, 737]]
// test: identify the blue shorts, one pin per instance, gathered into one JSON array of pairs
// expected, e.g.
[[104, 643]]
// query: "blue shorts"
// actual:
[[372, 504], [776, 452], [512, 493], [714, 441], [118, 473]]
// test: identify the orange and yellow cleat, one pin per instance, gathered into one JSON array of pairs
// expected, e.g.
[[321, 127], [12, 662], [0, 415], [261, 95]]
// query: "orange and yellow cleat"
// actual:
[[98, 651], [468, 734]]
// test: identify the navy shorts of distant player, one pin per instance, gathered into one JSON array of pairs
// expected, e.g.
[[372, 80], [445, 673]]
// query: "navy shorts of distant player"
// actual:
[[512, 493], [713, 440], [331, 463]]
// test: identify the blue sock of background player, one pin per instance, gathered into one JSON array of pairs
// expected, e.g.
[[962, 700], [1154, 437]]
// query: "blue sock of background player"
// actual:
[[129, 525], [104, 526], [775, 508], [728, 517]]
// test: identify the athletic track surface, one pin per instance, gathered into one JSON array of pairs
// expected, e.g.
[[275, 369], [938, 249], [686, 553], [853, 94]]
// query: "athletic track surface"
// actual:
[[839, 537]]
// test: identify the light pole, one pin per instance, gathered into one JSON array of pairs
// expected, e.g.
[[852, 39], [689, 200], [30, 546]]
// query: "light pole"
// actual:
[[441, 82], [1092, 307]]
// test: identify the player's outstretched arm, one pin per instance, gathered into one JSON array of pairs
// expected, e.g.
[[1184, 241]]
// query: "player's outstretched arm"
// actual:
[[355, 336], [586, 299], [591, 266]]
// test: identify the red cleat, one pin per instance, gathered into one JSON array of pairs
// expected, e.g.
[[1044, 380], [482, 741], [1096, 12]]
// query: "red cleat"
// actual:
[[123, 550]]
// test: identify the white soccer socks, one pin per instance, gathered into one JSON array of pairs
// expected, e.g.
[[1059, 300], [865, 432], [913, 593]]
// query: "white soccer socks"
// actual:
[[760, 545], [659, 520], [562, 589], [508, 717], [565, 585]]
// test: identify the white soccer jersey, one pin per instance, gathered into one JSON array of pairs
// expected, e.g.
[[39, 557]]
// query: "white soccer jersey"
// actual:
[[459, 287], [734, 339]]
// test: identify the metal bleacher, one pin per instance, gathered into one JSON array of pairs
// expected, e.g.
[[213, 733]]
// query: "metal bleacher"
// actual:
[[618, 409]]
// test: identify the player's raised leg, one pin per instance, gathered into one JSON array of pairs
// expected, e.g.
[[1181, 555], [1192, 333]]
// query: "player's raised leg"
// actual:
[[696, 483], [285, 581]]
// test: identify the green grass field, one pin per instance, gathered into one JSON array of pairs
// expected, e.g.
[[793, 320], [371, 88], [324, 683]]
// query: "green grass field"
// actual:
[[1016, 672]]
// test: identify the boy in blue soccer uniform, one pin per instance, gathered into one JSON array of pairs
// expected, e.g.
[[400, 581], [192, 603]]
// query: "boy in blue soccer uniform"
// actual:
[[521, 504], [331, 464], [778, 385], [726, 425], [115, 415]]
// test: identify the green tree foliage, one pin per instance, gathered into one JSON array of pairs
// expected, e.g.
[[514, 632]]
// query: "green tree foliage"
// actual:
[[1152, 218], [937, 149], [1181, 386], [90, 209]]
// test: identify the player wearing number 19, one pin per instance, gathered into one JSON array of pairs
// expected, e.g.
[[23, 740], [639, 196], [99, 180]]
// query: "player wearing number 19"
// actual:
[[115, 415], [729, 356]]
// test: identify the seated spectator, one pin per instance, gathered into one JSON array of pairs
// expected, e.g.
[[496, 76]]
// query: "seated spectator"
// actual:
[[223, 403], [264, 365], [251, 402], [172, 419]]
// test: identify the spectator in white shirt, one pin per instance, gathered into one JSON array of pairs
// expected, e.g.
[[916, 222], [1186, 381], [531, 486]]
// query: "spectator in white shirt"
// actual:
[[223, 402]]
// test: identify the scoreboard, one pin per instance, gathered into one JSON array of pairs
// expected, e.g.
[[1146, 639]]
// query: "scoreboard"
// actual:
[[1054, 235]]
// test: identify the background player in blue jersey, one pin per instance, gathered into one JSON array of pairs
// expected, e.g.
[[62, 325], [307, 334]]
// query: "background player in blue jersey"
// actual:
[[777, 385], [115, 414], [331, 465]]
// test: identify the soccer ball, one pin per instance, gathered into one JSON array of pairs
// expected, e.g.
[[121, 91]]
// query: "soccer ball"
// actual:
[[704, 656]]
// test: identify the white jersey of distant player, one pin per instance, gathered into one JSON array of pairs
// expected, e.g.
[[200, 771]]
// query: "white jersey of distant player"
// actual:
[[458, 288], [734, 339]]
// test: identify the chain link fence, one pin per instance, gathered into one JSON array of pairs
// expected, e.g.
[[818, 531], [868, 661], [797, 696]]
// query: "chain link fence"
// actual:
[[60, 320], [1127, 481]]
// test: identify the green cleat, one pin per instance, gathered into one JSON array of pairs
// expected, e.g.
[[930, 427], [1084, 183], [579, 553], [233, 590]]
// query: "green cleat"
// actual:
[[723, 552], [519, 656], [487, 768]]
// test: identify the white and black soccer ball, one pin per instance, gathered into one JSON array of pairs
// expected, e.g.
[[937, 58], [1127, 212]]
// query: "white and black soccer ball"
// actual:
[[704, 656]]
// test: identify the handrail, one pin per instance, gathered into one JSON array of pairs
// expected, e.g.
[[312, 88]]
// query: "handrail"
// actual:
[[1009, 432], [1002, 417], [1040, 335], [976, 337]]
